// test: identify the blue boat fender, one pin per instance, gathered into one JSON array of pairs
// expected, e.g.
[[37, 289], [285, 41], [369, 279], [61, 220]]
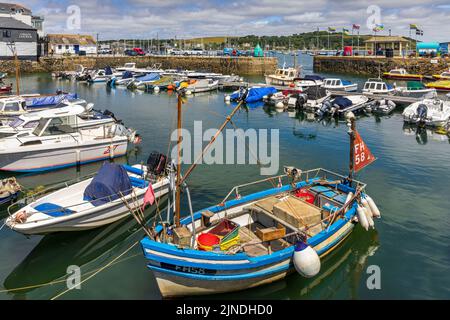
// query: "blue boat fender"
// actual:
[[306, 260]]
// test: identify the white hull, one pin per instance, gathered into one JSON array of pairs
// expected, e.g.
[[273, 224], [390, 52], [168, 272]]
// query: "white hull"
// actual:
[[39, 159]]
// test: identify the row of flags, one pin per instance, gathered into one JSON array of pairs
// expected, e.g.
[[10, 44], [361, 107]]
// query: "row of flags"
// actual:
[[377, 28], [419, 32]]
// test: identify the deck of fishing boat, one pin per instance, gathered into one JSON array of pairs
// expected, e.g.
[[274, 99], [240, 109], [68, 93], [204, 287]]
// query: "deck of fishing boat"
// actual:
[[402, 100]]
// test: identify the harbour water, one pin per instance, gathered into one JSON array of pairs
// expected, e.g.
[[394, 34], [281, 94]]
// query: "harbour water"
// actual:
[[409, 182]]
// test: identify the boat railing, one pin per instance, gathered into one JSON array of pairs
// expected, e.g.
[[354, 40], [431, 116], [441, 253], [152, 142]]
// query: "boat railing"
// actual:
[[303, 176]]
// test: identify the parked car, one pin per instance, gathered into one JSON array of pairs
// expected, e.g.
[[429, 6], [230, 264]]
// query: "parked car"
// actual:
[[130, 52], [139, 51], [105, 51]]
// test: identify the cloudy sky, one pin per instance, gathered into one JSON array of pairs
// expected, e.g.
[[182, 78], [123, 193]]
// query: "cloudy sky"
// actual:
[[114, 19]]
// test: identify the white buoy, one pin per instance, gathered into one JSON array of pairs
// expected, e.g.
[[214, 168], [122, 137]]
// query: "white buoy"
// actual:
[[366, 206], [189, 92], [369, 218], [227, 98], [279, 105], [306, 260], [156, 89], [349, 198], [375, 212], [362, 218]]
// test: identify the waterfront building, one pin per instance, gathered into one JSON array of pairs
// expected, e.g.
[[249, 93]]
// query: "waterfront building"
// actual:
[[401, 46], [71, 44], [17, 36]]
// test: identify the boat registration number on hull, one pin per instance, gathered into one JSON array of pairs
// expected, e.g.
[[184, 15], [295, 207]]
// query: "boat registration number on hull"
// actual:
[[191, 270]]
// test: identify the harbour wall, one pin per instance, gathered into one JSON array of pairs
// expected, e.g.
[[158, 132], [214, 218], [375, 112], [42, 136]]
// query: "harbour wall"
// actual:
[[372, 66], [225, 65]]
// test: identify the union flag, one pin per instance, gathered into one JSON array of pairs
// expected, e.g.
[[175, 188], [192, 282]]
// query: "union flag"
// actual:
[[362, 155]]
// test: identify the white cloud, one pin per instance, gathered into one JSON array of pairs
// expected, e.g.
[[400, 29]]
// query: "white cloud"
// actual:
[[144, 18]]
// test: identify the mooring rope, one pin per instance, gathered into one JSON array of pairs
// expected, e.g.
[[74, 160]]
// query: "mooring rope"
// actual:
[[98, 271], [46, 284]]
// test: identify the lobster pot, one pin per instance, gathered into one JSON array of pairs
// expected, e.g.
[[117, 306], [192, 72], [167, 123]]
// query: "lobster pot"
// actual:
[[306, 260]]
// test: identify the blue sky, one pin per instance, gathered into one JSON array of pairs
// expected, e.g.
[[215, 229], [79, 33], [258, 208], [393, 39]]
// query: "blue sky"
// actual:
[[114, 19]]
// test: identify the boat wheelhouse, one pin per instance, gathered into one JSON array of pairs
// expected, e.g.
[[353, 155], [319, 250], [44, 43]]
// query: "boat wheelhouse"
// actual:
[[377, 86], [335, 84], [283, 77]]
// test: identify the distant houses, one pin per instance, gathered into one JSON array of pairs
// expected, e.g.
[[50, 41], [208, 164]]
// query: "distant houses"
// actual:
[[68, 44]]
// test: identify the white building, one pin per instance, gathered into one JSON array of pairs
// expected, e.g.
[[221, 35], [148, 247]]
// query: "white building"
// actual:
[[15, 11], [71, 44]]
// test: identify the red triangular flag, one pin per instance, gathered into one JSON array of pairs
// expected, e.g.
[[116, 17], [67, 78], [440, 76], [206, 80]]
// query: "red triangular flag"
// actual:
[[149, 197], [362, 155]]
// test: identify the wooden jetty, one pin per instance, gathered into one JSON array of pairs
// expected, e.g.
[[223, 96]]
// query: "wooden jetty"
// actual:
[[401, 100]]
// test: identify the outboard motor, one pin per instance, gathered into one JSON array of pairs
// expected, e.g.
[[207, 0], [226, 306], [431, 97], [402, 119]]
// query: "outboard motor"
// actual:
[[156, 163], [108, 71], [110, 114], [422, 112], [301, 100], [326, 107]]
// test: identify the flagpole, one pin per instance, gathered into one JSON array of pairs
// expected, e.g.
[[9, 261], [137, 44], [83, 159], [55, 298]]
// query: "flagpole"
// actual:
[[351, 132], [353, 30]]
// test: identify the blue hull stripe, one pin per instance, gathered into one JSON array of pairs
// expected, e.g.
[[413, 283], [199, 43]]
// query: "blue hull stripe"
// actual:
[[262, 273], [68, 165]]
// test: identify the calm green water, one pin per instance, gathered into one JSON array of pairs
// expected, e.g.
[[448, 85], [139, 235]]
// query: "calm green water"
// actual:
[[410, 183]]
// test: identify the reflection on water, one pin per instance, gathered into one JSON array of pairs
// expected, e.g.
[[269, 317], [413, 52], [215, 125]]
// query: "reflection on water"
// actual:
[[409, 182]]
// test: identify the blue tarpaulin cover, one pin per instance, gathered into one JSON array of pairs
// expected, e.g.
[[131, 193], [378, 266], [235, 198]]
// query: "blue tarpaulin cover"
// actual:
[[149, 77], [110, 181], [50, 100], [254, 94], [127, 75], [343, 102]]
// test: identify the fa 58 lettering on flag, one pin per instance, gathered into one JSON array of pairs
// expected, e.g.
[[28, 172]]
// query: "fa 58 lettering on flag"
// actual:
[[362, 155]]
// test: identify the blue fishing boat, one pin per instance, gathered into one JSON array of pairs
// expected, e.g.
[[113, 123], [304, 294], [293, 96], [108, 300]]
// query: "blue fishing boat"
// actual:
[[248, 240]]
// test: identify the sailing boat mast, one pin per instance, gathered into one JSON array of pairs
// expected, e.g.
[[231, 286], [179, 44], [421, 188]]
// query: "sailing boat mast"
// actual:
[[178, 184]]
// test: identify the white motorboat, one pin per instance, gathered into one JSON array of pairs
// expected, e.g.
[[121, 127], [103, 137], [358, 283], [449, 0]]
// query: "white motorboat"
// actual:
[[283, 76], [89, 204], [311, 99], [102, 75], [381, 107], [15, 106], [377, 86], [142, 81], [55, 144], [341, 105], [202, 85], [415, 89], [429, 112], [81, 115], [307, 82], [335, 84]]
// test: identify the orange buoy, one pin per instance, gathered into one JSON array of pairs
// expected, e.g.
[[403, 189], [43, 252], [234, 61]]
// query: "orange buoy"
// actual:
[[21, 217]]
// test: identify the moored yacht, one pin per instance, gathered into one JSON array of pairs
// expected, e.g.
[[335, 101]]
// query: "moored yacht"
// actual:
[[283, 77]]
